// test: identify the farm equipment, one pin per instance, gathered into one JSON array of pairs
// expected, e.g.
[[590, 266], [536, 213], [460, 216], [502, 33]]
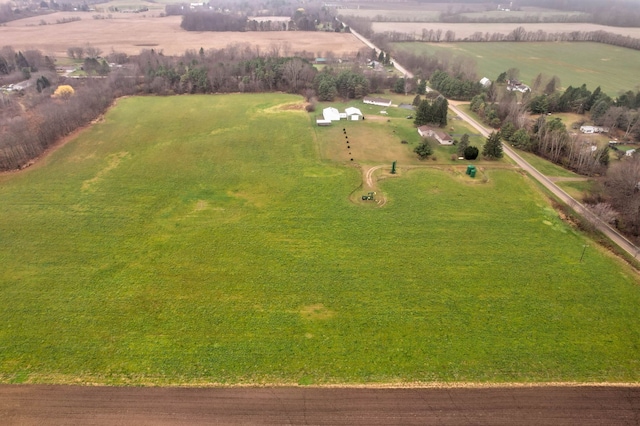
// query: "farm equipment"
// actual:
[[369, 196]]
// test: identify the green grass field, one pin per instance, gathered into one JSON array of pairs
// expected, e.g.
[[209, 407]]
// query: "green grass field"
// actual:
[[612, 68], [201, 239]]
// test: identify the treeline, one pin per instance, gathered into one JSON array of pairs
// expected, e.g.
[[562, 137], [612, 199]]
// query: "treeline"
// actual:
[[212, 21], [517, 35], [615, 13], [25, 136], [310, 19]]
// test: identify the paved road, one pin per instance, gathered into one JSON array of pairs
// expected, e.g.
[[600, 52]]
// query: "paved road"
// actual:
[[610, 232], [76, 405]]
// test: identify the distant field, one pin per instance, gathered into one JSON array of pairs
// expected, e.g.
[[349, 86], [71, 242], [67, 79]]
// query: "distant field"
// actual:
[[424, 12], [613, 68], [130, 33], [466, 30], [206, 239]]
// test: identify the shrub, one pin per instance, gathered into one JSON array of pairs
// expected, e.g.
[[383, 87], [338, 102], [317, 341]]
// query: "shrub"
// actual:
[[471, 153]]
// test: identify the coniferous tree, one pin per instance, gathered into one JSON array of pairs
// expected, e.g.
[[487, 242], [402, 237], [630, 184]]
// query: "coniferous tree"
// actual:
[[493, 146]]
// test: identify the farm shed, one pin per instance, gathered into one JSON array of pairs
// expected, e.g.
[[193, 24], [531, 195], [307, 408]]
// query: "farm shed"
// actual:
[[353, 113], [485, 82], [322, 122], [442, 137], [377, 101], [331, 114], [629, 152]]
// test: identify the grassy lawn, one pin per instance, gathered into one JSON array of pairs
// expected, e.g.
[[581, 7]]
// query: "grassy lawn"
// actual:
[[202, 239], [575, 64]]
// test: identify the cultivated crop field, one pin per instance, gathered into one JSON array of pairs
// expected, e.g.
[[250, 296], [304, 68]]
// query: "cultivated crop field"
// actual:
[[614, 69], [130, 33], [202, 240], [467, 30]]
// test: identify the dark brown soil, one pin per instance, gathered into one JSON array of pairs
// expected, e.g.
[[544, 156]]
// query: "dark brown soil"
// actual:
[[76, 405]]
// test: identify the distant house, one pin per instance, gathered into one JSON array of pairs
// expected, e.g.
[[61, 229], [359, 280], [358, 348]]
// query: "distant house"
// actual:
[[331, 114], [485, 82], [517, 86], [629, 152], [353, 113], [377, 101], [442, 137], [593, 129]]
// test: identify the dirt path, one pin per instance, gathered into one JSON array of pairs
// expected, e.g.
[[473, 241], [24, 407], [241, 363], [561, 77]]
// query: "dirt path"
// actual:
[[562, 405]]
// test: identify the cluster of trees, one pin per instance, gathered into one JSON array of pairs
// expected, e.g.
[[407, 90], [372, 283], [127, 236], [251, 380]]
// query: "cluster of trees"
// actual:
[[18, 66], [24, 136], [454, 87], [620, 113], [347, 84], [550, 139], [432, 112], [621, 191]]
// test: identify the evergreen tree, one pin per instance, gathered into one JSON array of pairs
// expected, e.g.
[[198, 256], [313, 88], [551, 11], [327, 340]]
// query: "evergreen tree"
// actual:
[[416, 101], [398, 87], [423, 113], [422, 87], [493, 146], [423, 150], [21, 61], [440, 110], [463, 144]]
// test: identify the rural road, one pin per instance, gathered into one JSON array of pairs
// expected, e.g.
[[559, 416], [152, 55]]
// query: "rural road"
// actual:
[[603, 227], [611, 233], [78, 405], [396, 65]]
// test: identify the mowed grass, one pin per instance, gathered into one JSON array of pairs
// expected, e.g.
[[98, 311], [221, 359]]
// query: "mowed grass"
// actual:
[[199, 239], [614, 69]]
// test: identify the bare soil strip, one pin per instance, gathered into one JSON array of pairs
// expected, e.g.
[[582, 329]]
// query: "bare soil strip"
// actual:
[[553, 405]]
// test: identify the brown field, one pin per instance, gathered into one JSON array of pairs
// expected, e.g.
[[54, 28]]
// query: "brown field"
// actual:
[[466, 30], [130, 33]]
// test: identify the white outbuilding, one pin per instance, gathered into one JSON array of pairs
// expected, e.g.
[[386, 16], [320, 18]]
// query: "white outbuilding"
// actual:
[[331, 114], [353, 113]]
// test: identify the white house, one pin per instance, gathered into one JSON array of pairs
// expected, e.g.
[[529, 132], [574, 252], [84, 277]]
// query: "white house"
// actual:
[[442, 137], [629, 152], [485, 82], [377, 101], [331, 114], [353, 113], [593, 129]]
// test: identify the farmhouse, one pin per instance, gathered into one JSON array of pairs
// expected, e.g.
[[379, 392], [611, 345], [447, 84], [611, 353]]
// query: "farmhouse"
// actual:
[[331, 114], [377, 101], [593, 129], [485, 82], [442, 137]]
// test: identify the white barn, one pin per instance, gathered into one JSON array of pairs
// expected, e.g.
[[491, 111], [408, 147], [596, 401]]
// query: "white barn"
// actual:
[[331, 114], [353, 113]]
